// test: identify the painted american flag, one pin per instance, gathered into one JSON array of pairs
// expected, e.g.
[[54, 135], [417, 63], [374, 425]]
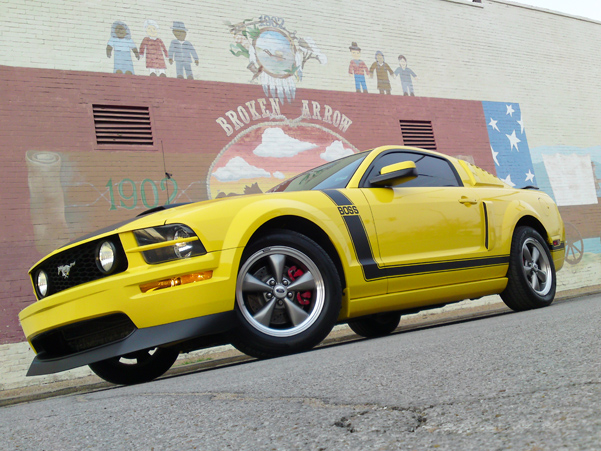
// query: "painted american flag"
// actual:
[[508, 143]]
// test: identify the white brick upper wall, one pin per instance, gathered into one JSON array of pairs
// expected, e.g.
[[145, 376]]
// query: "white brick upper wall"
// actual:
[[495, 50]]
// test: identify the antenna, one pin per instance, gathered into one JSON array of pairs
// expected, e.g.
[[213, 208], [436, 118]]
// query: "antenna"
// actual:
[[167, 174]]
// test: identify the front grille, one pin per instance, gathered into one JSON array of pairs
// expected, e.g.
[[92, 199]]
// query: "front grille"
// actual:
[[81, 261], [82, 336]]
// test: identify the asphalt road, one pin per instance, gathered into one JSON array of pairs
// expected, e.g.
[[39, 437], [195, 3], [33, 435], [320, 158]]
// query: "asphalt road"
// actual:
[[521, 381]]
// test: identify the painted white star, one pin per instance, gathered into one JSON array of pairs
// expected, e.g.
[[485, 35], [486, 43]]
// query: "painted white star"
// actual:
[[493, 124], [529, 176], [510, 110], [514, 140], [521, 122], [508, 180], [494, 156]]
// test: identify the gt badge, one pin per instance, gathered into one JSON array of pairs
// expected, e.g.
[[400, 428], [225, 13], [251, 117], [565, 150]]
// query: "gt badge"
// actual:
[[64, 270]]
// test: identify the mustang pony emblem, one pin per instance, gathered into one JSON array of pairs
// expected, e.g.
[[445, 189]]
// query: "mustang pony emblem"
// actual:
[[64, 270]]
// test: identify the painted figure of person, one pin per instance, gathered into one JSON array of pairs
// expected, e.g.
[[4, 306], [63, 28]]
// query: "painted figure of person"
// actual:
[[358, 68], [405, 74], [155, 50], [382, 70], [181, 51], [122, 43]]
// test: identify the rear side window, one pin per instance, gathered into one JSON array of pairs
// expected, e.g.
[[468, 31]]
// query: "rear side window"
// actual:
[[432, 170]]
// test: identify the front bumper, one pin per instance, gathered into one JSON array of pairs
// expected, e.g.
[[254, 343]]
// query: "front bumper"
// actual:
[[159, 317], [138, 340]]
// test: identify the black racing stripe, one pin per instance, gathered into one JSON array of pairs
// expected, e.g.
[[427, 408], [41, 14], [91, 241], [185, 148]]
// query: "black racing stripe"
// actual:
[[358, 234], [446, 266], [339, 199], [371, 269]]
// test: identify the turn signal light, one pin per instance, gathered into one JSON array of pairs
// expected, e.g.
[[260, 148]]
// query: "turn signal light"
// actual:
[[176, 281]]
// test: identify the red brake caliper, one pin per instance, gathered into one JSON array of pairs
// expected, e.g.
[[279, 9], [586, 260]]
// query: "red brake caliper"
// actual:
[[302, 298]]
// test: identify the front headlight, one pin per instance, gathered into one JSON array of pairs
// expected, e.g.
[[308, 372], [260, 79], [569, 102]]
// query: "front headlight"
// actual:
[[169, 242], [183, 249]]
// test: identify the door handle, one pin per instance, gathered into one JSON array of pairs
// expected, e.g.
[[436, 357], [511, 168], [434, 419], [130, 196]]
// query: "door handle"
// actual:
[[467, 201]]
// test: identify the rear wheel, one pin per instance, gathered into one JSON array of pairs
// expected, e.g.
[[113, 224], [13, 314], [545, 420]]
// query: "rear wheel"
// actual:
[[136, 367], [377, 325], [288, 296], [531, 272]]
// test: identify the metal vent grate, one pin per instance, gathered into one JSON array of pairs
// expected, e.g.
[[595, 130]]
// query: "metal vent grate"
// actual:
[[122, 125], [418, 134]]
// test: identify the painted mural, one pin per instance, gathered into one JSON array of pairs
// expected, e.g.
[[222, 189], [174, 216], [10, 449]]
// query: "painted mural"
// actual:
[[153, 48], [382, 69], [276, 56], [271, 152], [182, 52], [572, 176], [508, 143], [120, 47], [406, 76], [358, 69]]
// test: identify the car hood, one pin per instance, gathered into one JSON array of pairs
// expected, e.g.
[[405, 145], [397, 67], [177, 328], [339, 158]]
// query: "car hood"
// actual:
[[164, 215]]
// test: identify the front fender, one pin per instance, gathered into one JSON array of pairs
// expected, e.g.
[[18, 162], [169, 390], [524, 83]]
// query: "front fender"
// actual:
[[231, 223], [251, 217]]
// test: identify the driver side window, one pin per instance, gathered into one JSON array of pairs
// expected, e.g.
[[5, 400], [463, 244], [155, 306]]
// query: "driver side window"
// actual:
[[432, 171]]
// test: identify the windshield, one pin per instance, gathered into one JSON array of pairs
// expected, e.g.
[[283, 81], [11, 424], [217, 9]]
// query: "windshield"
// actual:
[[335, 174]]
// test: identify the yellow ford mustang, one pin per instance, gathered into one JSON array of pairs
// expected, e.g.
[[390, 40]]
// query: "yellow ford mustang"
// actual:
[[359, 240]]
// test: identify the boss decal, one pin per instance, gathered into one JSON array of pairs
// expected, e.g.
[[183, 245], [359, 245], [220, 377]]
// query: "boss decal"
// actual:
[[347, 210]]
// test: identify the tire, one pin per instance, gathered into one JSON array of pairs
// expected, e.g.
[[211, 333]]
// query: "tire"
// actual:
[[288, 296], [374, 326], [532, 281], [137, 367]]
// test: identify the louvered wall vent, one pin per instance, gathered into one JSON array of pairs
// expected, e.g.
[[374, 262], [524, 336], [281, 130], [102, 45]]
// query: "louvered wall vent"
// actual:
[[122, 125], [418, 134]]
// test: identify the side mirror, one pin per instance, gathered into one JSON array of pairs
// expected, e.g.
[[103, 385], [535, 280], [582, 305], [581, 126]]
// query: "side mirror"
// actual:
[[395, 174]]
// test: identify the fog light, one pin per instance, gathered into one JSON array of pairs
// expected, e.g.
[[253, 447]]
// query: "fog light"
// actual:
[[106, 257], [42, 284]]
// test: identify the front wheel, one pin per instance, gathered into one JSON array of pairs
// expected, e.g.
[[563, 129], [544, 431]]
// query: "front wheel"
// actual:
[[288, 296], [531, 272], [137, 367]]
